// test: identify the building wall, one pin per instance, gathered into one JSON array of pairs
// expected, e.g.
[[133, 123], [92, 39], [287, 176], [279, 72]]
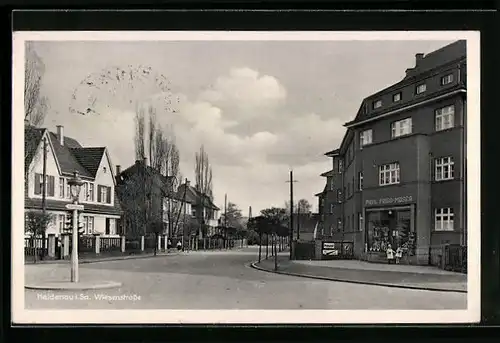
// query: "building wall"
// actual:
[[105, 177], [36, 167], [415, 153]]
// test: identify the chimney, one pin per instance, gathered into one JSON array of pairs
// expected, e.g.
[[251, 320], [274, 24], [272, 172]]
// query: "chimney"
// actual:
[[418, 58], [145, 160], [137, 161], [26, 122], [60, 134], [118, 170]]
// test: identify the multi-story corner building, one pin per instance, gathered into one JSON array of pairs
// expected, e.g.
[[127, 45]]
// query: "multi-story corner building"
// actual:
[[63, 156], [398, 177]]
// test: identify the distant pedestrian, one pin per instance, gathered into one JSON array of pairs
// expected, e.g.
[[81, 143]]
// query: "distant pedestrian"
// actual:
[[390, 254], [169, 244], [179, 246], [399, 254]]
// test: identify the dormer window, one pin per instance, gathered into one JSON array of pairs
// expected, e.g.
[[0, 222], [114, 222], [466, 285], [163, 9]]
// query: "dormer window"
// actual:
[[396, 97], [421, 88], [447, 79], [104, 170], [377, 104]]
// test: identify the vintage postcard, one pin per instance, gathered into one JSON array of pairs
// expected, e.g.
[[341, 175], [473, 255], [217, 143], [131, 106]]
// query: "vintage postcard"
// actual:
[[246, 177]]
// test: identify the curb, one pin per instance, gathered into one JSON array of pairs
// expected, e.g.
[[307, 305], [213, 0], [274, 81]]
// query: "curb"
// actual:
[[69, 286], [392, 285], [121, 258]]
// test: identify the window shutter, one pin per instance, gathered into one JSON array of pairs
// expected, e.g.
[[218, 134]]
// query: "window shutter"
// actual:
[[51, 186], [38, 183], [108, 195], [99, 193]]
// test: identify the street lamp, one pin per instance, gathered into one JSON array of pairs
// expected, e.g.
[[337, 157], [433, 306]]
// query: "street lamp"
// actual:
[[75, 184]]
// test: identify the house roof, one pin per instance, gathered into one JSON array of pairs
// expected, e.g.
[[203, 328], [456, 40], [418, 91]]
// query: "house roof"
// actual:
[[321, 193], [332, 153], [32, 137], [65, 156], [328, 173], [193, 196], [71, 156], [89, 158]]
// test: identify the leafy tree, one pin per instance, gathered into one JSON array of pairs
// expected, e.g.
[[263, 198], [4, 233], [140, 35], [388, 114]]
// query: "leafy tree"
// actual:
[[36, 225]]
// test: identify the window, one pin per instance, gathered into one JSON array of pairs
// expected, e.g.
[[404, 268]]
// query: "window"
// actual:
[[365, 138], [396, 97], [90, 225], [85, 225], [339, 195], [421, 88], [360, 221], [389, 174], [61, 187], [193, 212], [444, 219], [61, 219], [360, 181], [331, 208], [68, 190], [85, 191], [49, 185], [401, 128], [377, 104], [332, 184], [444, 168], [340, 166], [91, 192], [447, 79], [104, 194], [445, 118]]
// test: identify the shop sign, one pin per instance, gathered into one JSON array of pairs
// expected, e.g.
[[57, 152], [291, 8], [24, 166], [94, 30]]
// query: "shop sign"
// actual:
[[329, 249], [389, 201]]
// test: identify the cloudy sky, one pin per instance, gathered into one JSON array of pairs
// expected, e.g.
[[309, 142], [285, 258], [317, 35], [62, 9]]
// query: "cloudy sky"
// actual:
[[260, 108]]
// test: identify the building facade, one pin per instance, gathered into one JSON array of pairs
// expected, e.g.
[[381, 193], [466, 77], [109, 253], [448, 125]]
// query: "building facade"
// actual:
[[63, 157], [398, 177], [204, 213]]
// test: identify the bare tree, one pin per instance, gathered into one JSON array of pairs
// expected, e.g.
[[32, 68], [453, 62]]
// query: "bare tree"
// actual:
[[35, 105], [203, 184]]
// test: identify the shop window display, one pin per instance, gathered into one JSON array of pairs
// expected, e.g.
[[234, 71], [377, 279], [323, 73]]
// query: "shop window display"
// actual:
[[390, 227]]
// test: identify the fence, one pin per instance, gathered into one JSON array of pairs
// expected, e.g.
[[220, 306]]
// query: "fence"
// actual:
[[455, 258], [61, 247], [30, 245], [111, 244]]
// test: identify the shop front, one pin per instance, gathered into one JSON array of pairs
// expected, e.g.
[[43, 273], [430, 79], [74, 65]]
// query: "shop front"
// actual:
[[390, 222]]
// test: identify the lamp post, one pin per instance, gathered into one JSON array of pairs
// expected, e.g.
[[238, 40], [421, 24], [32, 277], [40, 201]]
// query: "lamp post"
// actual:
[[75, 184]]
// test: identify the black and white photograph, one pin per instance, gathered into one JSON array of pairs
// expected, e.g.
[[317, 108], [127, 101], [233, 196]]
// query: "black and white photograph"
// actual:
[[246, 177]]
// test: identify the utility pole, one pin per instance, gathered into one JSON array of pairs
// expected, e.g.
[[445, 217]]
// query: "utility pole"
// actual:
[[298, 220], [225, 221], [291, 212], [44, 189]]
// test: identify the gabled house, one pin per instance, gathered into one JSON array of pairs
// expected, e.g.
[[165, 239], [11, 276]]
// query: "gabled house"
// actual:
[[147, 197], [64, 156], [203, 210]]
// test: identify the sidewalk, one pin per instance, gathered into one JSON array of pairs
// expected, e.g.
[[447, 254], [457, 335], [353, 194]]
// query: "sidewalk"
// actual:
[[401, 276], [125, 256]]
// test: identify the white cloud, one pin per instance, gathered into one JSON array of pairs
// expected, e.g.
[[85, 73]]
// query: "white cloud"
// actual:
[[245, 88]]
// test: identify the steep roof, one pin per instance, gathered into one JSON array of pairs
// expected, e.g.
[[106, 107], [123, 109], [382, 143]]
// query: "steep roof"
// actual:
[[193, 196], [328, 173], [71, 156], [32, 138], [434, 60], [67, 160], [89, 158]]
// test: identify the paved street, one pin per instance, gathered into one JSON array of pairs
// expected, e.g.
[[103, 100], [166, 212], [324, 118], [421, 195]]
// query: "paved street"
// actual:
[[218, 280]]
